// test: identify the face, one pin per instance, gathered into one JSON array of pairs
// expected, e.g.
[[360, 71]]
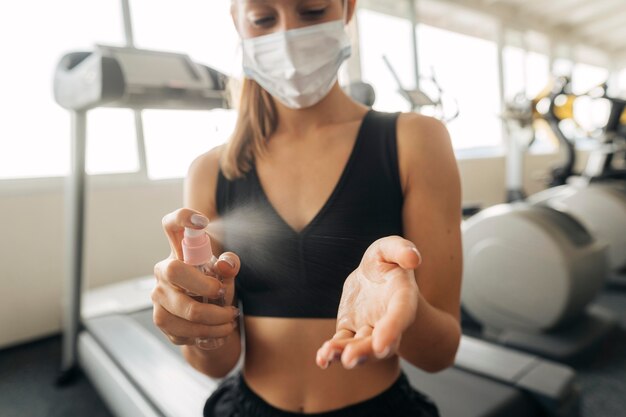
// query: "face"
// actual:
[[261, 17]]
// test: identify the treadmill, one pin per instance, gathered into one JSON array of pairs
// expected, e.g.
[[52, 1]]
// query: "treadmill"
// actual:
[[140, 373], [136, 369]]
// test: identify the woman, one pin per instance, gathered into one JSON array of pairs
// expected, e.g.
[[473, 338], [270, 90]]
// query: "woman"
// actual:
[[335, 295]]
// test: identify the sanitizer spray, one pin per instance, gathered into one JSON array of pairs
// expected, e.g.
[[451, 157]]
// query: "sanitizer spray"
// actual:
[[197, 252]]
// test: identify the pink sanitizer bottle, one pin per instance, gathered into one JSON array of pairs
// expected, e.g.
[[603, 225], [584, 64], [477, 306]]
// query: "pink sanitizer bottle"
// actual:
[[197, 252]]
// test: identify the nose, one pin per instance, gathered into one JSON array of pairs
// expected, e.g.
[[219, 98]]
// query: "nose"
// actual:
[[288, 19]]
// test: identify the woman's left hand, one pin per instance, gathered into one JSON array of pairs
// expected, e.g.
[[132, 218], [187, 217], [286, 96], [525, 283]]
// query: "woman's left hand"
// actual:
[[378, 303]]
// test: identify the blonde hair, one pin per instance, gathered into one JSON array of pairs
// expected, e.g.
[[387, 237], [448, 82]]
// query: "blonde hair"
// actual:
[[256, 122]]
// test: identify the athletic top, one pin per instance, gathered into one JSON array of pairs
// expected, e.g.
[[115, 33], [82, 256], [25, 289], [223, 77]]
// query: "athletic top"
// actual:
[[285, 273]]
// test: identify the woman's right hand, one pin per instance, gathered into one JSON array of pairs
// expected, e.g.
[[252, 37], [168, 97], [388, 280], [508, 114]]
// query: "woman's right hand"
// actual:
[[179, 316]]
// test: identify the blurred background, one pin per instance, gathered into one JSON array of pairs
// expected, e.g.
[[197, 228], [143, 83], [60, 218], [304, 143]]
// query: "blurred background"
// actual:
[[498, 72]]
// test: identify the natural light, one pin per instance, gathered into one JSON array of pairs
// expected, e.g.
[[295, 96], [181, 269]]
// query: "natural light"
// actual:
[[34, 139]]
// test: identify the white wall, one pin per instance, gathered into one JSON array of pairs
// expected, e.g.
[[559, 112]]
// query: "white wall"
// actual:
[[124, 238]]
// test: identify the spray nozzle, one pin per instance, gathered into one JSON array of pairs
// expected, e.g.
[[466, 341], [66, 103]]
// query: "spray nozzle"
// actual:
[[189, 232], [196, 246]]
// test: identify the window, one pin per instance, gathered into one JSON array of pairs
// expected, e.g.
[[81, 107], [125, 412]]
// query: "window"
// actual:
[[524, 72], [205, 31], [111, 141], [201, 28], [585, 77], [35, 131], [467, 69], [377, 32], [175, 138]]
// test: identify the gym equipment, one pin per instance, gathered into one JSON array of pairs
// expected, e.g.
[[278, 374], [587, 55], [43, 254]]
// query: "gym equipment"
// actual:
[[139, 372], [601, 208], [135, 78], [532, 267], [418, 99], [596, 197], [529, 275], [116, 77], [518, 120], [603, 163], [608, 162], [362, 92]]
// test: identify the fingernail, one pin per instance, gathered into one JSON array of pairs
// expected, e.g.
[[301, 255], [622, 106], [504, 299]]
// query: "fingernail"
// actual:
[[221, 292], [358, 361], [237, 312], [384, 353], [199, 220], [324, 364], [417, 253], [229, 261], [336, 355]]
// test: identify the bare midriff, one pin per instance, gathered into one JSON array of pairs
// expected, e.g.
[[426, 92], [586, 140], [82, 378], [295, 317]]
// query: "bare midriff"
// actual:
[[280, 367]]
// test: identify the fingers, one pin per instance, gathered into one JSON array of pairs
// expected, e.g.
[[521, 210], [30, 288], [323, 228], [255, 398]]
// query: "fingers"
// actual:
[[396, 250], [181, 331], [181, 305], [227, 265], [174, 224], [399, 316], [178, 274], [352, 349], [331, 350]]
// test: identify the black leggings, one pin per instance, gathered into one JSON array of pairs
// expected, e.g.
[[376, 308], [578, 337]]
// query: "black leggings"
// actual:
[[234, 398]]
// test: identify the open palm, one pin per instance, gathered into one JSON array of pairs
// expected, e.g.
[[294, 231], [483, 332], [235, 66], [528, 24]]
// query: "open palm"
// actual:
[[378, 303]]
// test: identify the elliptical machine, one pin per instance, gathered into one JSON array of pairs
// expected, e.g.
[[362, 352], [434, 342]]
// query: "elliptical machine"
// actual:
[[532, 270], [597, 196]]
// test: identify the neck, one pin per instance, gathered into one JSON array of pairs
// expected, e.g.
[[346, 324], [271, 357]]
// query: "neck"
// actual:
[[336, 107]]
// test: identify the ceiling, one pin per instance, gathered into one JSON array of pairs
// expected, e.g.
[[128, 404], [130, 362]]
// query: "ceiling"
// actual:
[[586, 30]]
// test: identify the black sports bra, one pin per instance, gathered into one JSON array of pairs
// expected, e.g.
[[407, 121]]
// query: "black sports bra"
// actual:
[[285, 273]]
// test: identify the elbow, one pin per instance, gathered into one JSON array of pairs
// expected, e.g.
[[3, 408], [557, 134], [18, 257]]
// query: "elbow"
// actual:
[[442, 356], [440, 364]]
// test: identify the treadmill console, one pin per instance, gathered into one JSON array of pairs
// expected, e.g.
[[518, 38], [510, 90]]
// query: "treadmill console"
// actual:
[[136, 78]]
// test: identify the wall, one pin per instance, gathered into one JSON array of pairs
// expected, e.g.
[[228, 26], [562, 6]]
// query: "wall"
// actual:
[[124, 238]]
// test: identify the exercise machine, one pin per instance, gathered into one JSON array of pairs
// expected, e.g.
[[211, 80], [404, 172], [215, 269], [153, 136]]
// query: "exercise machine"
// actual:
[[116, 77], [532, 267], [597, 196], [530, 273], [139, 372], [419, 99]]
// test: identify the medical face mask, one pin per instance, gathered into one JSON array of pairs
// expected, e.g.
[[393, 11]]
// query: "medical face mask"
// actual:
[[298, 66]]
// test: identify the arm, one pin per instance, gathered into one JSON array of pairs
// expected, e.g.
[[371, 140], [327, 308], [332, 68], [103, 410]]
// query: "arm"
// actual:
[[432, 221], [199, 194]]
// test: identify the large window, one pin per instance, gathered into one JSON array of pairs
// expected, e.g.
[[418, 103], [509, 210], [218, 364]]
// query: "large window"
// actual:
[[384, 35], [525, 72], [467, 69], [34, 133], [204, 30], [201, 28], [175, 138]]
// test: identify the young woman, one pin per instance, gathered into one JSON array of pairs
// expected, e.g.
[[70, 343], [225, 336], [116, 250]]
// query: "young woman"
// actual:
[[363, 265]]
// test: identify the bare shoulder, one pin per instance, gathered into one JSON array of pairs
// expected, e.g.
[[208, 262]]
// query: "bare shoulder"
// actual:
[[201, 182], [424, 150]]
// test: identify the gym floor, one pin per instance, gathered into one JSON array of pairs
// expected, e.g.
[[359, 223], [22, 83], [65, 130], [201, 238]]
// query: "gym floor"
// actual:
[[27, 375]]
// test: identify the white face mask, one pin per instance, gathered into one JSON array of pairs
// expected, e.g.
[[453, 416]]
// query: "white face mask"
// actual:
[[298, 66]]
